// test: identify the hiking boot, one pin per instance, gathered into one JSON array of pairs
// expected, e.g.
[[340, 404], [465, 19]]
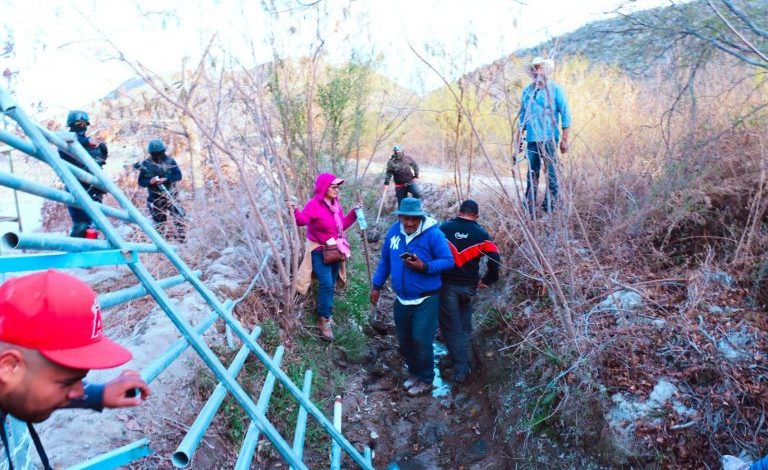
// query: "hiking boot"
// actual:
[[410, 382], [325, 328], [419, 388]]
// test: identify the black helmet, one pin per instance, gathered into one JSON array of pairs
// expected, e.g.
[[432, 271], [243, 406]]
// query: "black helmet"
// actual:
[[156, 146], [77, 116]]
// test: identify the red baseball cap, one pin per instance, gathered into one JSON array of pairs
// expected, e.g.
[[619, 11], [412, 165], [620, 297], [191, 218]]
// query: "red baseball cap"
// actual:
[[57, 314]]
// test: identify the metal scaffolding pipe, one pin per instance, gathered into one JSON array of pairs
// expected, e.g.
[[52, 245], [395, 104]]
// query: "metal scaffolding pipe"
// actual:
[[248, 448], [301, 422], [335, 449], [50, 242], [117, 457], [184, 452], [156, 367], [7, 103], [111, 299], [205, 353], [41, 261], [37, 189], [29, 149]]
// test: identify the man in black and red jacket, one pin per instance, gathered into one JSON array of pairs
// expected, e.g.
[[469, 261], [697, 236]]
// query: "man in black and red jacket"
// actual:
[[469, 242]]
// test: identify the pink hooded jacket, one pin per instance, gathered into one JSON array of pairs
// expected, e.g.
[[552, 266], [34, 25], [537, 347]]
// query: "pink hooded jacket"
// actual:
[[318, 217]]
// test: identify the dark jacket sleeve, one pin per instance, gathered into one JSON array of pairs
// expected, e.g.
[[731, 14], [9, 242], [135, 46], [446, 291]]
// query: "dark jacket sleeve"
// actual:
[[494, 261], [492, 270], [174, 173], [389, 172], [93, 398], [144, 176]]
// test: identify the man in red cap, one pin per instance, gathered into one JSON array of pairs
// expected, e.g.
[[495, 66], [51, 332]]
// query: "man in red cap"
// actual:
[[50, 337]]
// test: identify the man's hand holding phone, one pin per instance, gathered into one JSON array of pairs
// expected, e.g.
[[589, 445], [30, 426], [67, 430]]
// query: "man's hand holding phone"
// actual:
[[413, 262]]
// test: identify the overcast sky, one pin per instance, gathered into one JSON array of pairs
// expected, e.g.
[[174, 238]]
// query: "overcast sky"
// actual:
[[64, 60]]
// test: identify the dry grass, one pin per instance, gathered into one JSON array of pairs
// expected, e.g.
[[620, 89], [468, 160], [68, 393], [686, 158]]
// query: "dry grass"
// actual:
[[654, 206]]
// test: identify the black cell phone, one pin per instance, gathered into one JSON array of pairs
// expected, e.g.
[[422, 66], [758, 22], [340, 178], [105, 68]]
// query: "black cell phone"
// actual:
[[407, 255]]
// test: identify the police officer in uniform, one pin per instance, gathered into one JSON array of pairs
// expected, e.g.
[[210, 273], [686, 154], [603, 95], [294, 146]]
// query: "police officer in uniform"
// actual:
[[159, 174], [78, 122]]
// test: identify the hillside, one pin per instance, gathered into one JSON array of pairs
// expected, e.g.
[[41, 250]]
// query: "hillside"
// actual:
[[666, 35]]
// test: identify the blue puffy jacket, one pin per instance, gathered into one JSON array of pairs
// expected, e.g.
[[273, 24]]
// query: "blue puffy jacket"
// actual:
[[429, 245]]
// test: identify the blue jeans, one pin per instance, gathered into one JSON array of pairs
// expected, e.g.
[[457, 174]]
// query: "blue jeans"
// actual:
[[326, 276], [416, 326], [456, 323], [538, 151]]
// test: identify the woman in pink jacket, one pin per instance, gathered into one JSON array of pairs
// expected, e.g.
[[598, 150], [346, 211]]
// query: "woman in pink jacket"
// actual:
[[326, 222]]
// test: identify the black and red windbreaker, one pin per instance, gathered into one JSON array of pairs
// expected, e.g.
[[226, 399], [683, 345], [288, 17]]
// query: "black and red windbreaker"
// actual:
[[469, 243]]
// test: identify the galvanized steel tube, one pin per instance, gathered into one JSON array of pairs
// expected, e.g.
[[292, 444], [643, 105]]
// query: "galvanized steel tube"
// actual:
[[29, 149], [183, 455], [37, 189], [111, 299], [301, 421], [156, 367], [248, 449], [335, 449], [50, 242], [116, 458]]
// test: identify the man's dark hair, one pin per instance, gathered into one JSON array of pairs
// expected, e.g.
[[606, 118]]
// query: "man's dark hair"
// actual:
[[469, 207]]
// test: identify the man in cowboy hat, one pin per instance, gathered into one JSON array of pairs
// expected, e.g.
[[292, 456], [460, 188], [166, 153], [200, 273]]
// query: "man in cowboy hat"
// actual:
[[50, 337], [414, 253], [543, 111]]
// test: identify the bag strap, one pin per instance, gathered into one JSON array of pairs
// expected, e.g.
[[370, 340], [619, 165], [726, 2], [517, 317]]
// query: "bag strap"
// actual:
[[4, 437], [39, 447]]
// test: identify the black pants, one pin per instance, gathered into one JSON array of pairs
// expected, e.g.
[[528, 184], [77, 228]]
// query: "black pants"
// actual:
[[456, 323], [80, 219], [402, 191], [163, 209]]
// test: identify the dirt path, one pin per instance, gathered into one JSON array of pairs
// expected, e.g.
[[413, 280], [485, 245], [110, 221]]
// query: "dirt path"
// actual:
[[453, 427]]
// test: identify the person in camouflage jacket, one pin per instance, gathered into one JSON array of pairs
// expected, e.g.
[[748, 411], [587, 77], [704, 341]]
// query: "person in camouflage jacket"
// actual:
[[405, 172]]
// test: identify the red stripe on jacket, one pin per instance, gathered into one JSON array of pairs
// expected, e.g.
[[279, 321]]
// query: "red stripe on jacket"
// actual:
[[475, 251]]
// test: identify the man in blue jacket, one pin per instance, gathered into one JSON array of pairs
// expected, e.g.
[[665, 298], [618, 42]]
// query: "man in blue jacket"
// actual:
[[413, 254], [543, 111]]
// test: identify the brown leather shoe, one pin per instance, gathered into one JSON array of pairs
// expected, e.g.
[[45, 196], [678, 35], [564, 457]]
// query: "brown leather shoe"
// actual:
[[325, 328]]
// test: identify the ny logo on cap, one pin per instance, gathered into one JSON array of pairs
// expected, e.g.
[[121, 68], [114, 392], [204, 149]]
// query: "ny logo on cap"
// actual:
[[97, 327]]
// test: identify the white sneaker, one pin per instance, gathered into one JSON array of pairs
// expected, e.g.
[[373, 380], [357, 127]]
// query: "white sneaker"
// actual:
[[410, 382]]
